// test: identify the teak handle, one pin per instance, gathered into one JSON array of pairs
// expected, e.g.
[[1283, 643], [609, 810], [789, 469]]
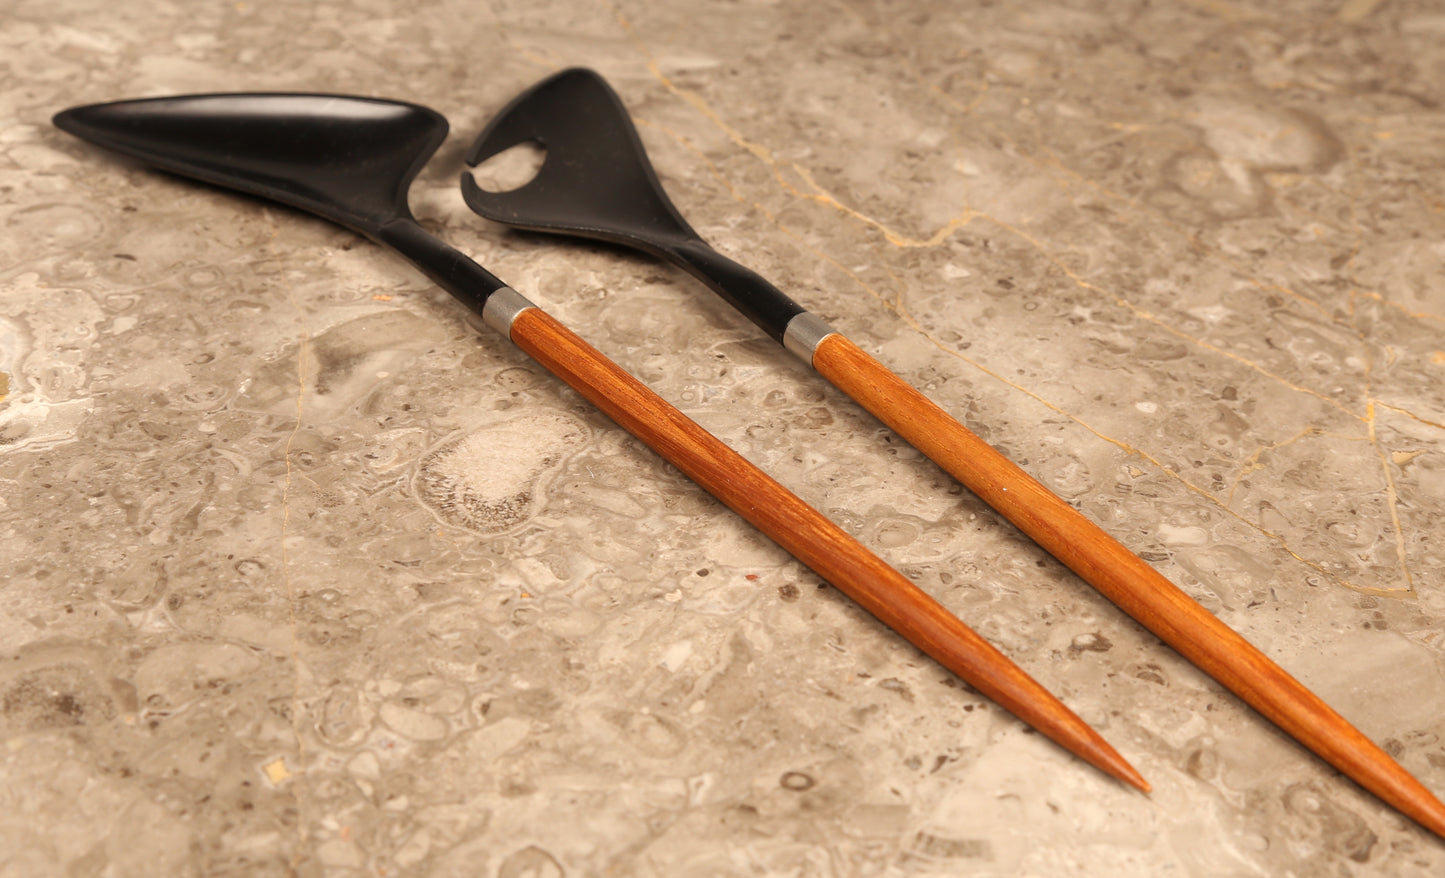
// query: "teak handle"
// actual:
[[810, 537], [1124, 578]]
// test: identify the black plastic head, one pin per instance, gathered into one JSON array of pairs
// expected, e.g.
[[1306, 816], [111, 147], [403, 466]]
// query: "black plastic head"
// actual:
[[596, 180], [348, 159]]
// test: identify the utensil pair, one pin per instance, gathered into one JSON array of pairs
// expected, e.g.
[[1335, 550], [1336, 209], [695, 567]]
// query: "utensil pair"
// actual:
[[352, 160], [597, 182]]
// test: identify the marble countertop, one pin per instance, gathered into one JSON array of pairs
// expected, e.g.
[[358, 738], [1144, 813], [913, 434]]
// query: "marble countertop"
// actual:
[[305, 575]]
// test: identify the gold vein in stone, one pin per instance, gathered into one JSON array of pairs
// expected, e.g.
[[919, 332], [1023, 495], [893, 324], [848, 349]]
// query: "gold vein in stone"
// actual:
[[963, 109], [1390, 303], [1252, 465], [1409, 414], [303, 362], [1392, 499], [765, 155], [822, 196], [539, 57]]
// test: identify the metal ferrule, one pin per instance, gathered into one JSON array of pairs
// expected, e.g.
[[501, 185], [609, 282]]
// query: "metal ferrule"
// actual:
[[804, 333], [502, 307]]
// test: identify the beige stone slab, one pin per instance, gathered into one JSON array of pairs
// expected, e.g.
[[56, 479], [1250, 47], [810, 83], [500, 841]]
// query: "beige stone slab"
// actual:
[[268, 607]]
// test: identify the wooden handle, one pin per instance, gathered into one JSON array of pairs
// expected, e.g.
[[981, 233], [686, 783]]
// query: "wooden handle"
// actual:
[[1124, 578], [810, 537]]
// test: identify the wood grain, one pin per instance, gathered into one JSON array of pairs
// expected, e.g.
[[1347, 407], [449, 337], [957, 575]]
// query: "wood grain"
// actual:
[[1124, 578], [810, 537]]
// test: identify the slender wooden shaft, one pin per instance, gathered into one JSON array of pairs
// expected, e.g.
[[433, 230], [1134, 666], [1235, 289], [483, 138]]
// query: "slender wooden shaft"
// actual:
[[810, 537], [1124, 578]]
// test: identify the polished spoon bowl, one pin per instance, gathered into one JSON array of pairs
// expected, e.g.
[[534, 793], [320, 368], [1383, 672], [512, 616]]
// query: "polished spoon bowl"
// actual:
[[596, 182], [352, 160]]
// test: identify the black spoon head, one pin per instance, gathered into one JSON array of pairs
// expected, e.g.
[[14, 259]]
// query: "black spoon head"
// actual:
[[348, 159], [595, 181]]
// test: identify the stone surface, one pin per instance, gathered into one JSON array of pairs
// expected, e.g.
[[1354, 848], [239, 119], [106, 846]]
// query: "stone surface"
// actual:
[[302, 575]]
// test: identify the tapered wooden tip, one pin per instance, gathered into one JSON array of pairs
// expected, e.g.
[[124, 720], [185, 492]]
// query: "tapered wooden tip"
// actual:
[[1035, 706], [1374, 770], [1432, 815], [1131, 777], [1099, 754], [1059, 723]]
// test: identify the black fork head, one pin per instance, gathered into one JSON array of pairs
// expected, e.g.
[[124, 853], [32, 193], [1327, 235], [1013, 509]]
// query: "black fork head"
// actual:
[[595, 181], [348, 159]]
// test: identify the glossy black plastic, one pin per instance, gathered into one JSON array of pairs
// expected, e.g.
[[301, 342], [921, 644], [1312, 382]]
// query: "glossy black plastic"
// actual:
[[596, 182], [348, 159]]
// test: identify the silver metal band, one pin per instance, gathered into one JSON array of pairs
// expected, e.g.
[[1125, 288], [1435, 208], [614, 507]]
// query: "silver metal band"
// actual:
[[502, 307], [803, 334]]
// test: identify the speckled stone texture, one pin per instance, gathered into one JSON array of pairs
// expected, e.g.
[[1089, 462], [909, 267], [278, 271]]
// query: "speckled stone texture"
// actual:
[[303, 575]]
